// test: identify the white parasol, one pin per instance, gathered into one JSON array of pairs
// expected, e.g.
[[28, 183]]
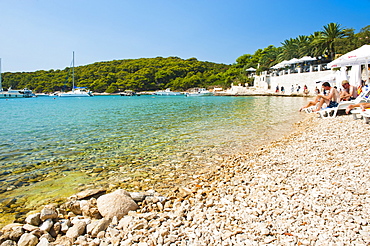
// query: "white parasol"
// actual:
[[251, 69]]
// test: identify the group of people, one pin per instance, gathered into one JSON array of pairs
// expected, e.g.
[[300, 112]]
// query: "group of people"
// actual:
[[331, 97], [293, 89]]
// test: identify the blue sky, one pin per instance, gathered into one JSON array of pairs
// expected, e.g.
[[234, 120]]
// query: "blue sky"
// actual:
[[41, 34]]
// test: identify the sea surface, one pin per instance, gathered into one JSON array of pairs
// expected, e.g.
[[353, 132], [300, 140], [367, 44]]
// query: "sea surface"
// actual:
[[53, 147]]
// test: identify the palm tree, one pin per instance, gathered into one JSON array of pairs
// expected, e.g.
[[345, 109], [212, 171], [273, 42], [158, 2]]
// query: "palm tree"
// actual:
[[289, 49], [363, 37], [317, 47], [269, 56], [303, 45], [330, 34]]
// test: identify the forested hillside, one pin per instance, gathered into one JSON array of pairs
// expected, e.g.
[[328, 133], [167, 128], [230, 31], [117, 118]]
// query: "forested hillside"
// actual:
[[133, 74]]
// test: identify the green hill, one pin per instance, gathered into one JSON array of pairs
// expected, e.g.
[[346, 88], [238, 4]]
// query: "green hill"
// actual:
[[133, 74]]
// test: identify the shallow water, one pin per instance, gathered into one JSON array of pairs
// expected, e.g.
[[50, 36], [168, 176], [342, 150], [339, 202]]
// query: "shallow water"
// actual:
[[51, 147]]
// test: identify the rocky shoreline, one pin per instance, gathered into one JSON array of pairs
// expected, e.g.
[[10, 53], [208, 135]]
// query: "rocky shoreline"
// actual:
[[309, 188]]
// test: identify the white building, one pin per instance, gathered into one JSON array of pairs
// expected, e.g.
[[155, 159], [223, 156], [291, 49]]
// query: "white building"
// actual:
[[269, 81]]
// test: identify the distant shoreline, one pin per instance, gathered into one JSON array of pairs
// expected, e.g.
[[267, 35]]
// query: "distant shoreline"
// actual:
[[259, 93]]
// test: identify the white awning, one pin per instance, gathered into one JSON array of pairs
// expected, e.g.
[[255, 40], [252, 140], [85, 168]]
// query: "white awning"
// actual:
[[358, 56]]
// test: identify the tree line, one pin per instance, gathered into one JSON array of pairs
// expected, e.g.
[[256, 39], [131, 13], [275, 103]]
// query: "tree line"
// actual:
[[144, 74], [333, 40], [148, 74]]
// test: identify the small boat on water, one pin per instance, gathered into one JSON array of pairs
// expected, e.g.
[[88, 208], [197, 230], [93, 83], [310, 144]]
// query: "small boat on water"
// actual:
[[199, 92], [76, 91], [12, 93], [127, 93], [42, 95], [167, 92]]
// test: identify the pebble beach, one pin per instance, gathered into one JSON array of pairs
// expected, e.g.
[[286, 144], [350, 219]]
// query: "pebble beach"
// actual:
[[308, 188]]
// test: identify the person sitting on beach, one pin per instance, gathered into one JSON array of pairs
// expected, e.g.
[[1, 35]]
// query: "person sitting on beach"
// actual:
[[330, 99], [349, 92], [363, 107]]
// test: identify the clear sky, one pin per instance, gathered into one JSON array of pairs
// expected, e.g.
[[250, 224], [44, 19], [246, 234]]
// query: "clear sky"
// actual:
[[41, 34]]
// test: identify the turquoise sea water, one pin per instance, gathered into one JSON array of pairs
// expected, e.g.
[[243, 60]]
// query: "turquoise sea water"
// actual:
[[65, 143]]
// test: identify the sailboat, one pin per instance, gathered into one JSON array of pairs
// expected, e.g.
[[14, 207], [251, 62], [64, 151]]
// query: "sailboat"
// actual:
[[76, 91], [11, 93]]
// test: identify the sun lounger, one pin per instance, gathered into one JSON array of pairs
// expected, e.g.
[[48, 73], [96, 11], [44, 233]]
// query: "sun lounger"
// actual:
[[366, 115], [309, 109], [356, 113], [332, 112]]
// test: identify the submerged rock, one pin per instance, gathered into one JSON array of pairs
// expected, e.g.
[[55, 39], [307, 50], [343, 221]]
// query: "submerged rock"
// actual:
[[87, 194]]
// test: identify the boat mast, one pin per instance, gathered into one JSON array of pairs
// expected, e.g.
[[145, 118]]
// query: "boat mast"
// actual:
[[73, 72]]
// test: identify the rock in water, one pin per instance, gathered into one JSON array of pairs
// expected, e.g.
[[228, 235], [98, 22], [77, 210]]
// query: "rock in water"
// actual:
[[117, 203]]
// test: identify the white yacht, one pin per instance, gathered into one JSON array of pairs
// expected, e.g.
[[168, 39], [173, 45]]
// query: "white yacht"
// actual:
[[11, 93], [167, 92], [76, 91], [200, 92]]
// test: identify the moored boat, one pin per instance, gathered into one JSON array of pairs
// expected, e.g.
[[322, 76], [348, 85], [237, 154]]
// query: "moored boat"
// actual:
[[127, 93], [76, 91], [12, 93], [42, 95], [167, 92], [200, 92]]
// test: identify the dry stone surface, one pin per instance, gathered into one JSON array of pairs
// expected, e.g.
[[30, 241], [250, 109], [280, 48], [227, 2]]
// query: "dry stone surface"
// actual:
[[117, 203]]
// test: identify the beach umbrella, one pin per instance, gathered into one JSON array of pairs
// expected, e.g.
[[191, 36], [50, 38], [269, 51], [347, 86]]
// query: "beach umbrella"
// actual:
[[251, 69], [277, 66], [284, 63], [293, 61], [358, 56], [307, 58]]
